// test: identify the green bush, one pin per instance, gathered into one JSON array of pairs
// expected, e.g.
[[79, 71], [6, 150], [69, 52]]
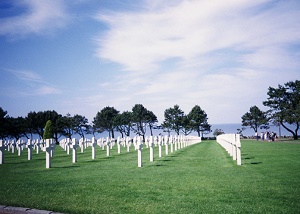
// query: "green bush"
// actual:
[[48, 132]]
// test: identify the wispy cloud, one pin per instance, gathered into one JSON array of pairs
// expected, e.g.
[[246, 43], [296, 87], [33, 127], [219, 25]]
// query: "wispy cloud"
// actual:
[[47, 90], [38, 17], [193, 28], [32, 84], [203, 52], [27, 76]]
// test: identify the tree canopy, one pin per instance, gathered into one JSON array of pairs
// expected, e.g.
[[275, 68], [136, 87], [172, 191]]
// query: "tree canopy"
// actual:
[[284, 105], [123, 123], [140, 119], [173, 118], [255, 118], [105, 120], [199, 120], [3, 123]]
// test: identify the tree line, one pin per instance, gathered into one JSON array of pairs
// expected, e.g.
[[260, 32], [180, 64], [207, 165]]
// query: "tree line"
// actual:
[[138, 121], [284, 109]]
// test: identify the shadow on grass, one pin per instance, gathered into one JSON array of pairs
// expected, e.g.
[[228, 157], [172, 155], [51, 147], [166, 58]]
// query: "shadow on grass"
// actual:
[[100, 159], [248, 158], [256, 162], [253, 163], [9, 163], [64, 167]]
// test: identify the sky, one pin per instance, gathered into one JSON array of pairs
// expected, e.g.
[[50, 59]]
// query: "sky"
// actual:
[[80, 56]]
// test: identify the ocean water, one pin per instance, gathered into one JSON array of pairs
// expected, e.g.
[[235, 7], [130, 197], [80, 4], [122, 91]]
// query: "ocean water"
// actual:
[[227, 128], [232, 129]]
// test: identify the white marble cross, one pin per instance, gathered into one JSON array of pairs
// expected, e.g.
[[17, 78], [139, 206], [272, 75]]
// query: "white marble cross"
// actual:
[[128, 143], [29, 148], [108, 147], [74, 150], [159, 145], [119, 145], [2, 148], [48, 153], [151, 145], [166, 144], [93, 144], [140, 147]]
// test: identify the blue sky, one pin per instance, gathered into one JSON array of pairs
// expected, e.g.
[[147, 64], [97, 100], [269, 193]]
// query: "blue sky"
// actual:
[[80, 56]]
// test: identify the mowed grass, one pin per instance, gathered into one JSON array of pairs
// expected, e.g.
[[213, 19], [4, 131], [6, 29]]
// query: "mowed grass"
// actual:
[[201, 178]]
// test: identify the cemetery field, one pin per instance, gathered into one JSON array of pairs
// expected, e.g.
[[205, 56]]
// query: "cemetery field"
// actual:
[[201, 178]]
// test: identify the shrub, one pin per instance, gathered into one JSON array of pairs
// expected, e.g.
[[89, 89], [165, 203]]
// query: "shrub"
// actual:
[[48, 132]]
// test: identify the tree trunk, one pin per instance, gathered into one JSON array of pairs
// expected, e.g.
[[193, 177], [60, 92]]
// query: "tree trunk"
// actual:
[[151, 130], [295, 133], [112, 133]]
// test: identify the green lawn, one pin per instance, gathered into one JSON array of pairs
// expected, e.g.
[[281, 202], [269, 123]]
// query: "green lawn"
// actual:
[[198, 179]]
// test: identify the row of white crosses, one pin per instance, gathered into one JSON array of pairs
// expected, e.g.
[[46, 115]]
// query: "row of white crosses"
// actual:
[[176, 143], [107, 143], [67, 144], [232, 144], [44, 145]]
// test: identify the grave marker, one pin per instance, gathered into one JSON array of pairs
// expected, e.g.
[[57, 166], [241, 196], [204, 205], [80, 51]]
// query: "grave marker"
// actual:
[[38, 145], [159, 146], [93, 148], [48, 153], [19, 147], [238, 150], [151, 144], [74, 150], [107, 147], [128, 143], [2, 148], [81, 144], [119, 145], [233, 147], [140, 147], [102, 143], [7, 144], [29, 148], [13, 146], [232, 144], [68, 145], [171, 143], [166, 144]]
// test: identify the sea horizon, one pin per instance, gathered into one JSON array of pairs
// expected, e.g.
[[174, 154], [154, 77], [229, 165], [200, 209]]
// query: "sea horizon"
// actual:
[[227, 128]]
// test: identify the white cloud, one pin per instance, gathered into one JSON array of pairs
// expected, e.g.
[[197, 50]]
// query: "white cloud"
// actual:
[[221, 55], [47, 90], [38, 17], [184, 31]]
